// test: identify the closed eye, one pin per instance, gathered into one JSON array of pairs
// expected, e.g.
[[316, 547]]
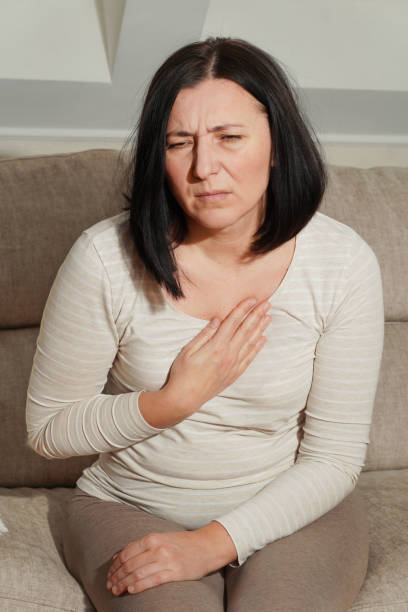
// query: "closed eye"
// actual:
[[176, 144], [223, 137]]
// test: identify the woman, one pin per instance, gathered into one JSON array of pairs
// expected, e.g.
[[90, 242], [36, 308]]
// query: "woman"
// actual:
[[232, 444]]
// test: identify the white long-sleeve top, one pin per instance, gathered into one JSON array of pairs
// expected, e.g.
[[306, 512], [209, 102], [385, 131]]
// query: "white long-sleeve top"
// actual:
[[274, 451]]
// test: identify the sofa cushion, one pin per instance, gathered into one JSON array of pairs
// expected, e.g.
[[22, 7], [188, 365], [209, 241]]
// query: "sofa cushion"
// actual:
[[373, 202], [388, 448], [33, 574], [20, 465], [46, 202], [385, 588], [32, 548]]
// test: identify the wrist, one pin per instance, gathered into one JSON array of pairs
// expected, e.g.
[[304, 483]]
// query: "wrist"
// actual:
[[181, 406], [219, 544], [158, 410]]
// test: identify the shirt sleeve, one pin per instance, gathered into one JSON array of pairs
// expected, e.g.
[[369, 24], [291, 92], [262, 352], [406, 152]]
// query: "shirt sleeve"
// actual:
[[66, 413], [337, 418]]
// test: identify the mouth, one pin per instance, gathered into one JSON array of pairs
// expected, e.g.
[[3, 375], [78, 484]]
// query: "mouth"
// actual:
[[212, 197]]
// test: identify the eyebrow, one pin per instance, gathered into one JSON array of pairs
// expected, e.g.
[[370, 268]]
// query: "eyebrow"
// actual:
[[216, 128]]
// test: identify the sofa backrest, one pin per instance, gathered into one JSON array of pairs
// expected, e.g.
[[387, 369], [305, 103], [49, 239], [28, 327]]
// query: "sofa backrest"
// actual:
[[374, 203], [46, 202]]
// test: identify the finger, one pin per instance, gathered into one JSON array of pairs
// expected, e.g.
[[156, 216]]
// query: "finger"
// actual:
[[159, 577], [129, 551], [249, 345], [249, 327], [232, 321], [252, 353], [130, 567], [116, 565], [138, 578], [203, 337], [119, 575], [125, 570], [253, 334], [113, 568]]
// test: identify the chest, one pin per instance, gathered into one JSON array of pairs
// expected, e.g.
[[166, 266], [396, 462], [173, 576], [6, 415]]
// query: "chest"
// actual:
[[214, 291]]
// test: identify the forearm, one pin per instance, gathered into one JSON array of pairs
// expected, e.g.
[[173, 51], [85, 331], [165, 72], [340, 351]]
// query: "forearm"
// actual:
[[98, 424], [295, 498]]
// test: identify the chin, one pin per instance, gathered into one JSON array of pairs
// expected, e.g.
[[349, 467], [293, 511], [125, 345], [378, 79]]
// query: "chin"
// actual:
[[217, 225]]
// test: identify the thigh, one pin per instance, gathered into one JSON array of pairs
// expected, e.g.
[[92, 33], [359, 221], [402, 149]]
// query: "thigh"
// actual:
[[95, 530], [319, 568]]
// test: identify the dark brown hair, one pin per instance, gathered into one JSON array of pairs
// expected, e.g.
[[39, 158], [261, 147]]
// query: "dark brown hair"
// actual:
[[297, 180]]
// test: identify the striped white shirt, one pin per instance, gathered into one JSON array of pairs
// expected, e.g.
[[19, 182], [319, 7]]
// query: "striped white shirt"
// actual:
[[277, 449]]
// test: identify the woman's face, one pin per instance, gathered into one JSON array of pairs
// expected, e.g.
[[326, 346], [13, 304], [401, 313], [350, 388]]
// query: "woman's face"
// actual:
[[219, 141]]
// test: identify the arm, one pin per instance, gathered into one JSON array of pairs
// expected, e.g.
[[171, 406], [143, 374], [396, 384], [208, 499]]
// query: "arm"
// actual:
[[66, 413], [337, 418]]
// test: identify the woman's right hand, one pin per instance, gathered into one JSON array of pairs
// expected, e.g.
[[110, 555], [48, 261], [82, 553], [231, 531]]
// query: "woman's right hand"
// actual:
[[216, 357]]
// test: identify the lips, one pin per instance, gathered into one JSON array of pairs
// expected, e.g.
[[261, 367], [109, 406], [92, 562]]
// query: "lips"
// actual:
[[213, 196], [210, 193]]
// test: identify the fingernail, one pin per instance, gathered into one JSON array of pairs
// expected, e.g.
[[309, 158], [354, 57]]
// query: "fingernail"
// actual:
[[109, 584], [115, 589], [266, 306]]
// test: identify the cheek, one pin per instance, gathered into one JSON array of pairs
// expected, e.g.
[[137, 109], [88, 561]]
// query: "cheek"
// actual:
[[254, 169]]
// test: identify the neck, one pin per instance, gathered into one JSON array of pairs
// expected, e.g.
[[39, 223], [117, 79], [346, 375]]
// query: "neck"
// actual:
[[221, 249], [228, 247]]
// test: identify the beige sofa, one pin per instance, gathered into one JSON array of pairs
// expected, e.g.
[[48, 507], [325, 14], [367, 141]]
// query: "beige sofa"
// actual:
[[45, 203]]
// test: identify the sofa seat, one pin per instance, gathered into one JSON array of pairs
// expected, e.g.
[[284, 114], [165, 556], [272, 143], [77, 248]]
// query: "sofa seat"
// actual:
[[33, 574], [32, 548], [385, 588]]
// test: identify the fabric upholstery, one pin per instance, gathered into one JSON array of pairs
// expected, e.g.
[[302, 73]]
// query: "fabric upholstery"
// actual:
[[45, 203], [20, 465], [32, 566], [373, 201], [81, 188], [33, 542], [388, 448], [386, 585]]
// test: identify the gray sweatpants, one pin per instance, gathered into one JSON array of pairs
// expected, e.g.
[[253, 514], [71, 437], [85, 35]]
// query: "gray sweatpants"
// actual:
[[319, 568]]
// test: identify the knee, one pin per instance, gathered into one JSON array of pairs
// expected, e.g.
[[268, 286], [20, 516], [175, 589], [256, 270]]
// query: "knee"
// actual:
[[289, 604]]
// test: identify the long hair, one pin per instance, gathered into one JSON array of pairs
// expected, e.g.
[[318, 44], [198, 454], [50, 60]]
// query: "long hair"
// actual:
[[297, 179]]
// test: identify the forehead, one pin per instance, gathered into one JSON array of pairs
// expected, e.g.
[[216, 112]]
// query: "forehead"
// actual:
[[214, 98]]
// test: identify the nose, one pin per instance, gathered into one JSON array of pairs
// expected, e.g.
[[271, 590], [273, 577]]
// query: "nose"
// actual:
[[205, 159]]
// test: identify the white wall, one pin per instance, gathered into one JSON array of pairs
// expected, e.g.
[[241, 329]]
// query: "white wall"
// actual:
[[329, 44], [348, 58], [52, 40]]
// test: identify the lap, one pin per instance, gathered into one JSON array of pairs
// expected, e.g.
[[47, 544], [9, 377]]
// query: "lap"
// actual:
[[95, 530], [319, 568]]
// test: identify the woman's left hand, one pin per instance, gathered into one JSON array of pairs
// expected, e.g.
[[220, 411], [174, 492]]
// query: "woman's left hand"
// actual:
[[169, 557]]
